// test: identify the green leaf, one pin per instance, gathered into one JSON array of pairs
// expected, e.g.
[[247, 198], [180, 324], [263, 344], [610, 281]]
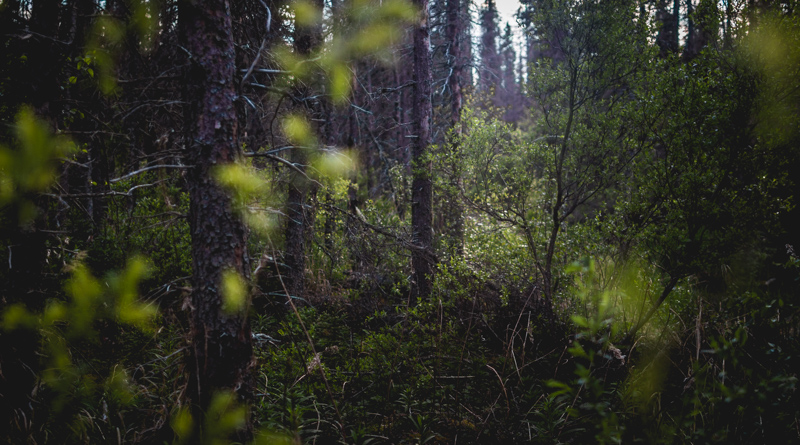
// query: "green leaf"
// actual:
[[335, 163], [17, 316], [234, 292], [298, 131], [305, 13], [340, 82]]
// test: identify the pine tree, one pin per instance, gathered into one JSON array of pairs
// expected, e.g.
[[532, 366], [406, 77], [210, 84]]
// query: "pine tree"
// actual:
[[221, 349], [668, 37], [422, 185], [490, 60], [509, 96]]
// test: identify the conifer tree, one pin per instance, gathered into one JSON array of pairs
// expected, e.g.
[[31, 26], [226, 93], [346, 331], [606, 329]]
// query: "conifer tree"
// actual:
[[490, 60], [221, 349], [422, 185]]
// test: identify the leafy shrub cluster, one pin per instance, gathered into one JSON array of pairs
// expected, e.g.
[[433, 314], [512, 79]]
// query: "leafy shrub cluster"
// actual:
[[618, 271]]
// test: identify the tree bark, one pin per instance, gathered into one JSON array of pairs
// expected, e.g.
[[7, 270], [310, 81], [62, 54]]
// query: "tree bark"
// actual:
[[221, 352], [421, 186], [455, 213], [300, 215], [44, 58]]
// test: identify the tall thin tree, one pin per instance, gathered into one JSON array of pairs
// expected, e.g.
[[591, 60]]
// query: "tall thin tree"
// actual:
[[306, 37], [422, 186], [455, 38], [490, 64], [221, 352], [668, 38]]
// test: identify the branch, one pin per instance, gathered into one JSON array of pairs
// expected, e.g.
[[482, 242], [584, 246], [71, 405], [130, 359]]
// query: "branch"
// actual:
[[255, 60], [293, 167], [253, 154], [99, 194], [152, 167], [405, 242], [267, 71]]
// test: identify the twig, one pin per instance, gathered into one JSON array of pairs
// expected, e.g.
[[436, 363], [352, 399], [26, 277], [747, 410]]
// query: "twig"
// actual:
[[258, 56], [142, 170], [382, 231], [502, 385], [110, 193], [293, 167], [253, 154]]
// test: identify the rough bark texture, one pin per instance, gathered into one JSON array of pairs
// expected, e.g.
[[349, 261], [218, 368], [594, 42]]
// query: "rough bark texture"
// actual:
[[296, 230], [221, 349], [421, 186], [455, 35]]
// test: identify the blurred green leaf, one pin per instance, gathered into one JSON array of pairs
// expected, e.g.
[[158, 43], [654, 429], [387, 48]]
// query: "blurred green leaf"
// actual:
[[298, 131], [145, 21], [332, 164], [31, 167], [375, 37], [244, 182], [182, 424], [17, 316], [223, 418], [306, 13], [340, 82], [234, 292]]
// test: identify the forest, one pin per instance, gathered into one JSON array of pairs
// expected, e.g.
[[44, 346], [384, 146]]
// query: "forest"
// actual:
[[399, 222]]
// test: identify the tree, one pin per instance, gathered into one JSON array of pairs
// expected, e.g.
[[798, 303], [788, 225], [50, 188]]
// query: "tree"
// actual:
[[587, 134], [456, 35], [703, 25], [510, 96], [489, 76], [422, 185], [668, 38], [542, 46], [708, 192], [300, 215], [221, 356]]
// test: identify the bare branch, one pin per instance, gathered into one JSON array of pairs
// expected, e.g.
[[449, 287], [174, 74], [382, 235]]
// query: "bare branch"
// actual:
[[152, 167]]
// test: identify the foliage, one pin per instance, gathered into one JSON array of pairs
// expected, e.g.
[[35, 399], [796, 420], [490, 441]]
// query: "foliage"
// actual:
[[79, 389], [31, 168], [627, 272]]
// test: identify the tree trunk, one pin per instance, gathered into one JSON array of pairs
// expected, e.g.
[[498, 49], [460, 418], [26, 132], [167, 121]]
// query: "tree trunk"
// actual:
[[44, 58], [455, 213], [421, 186], [490, 71], [298, 211], [221, 352], [667, 38], [690, 38]]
